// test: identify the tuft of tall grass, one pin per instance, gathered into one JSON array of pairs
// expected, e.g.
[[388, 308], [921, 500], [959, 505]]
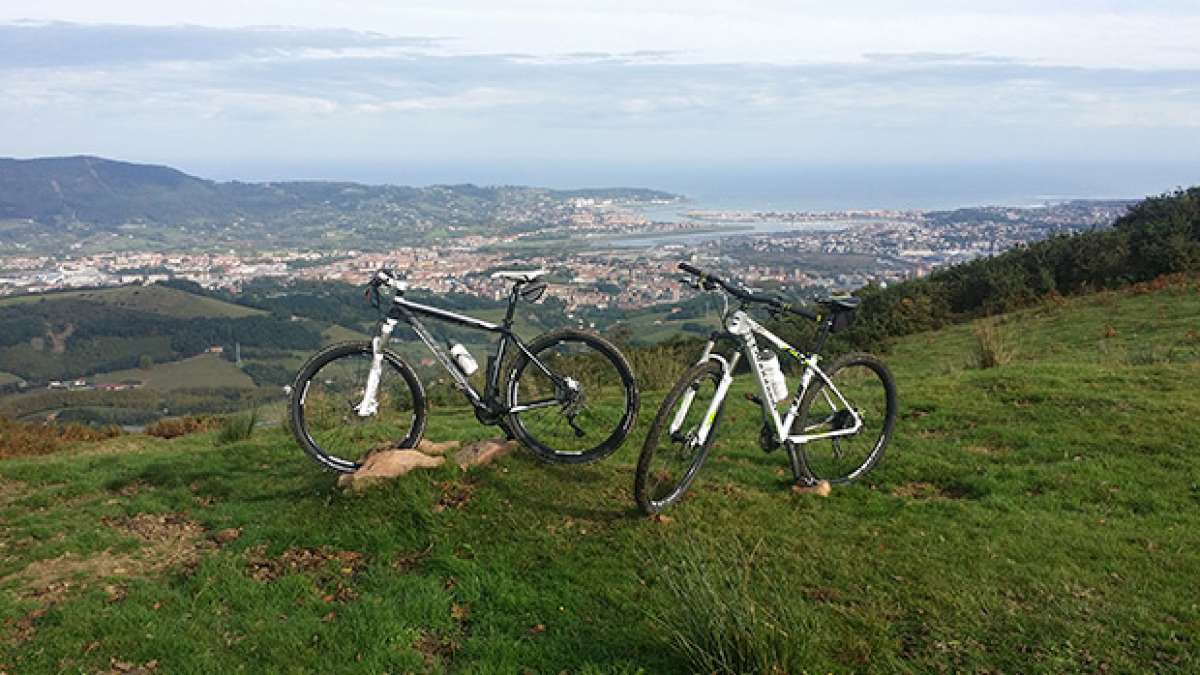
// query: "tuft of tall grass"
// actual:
[[1147, 355], [726, 614], [659, 367], [238, 427], [993, 346]]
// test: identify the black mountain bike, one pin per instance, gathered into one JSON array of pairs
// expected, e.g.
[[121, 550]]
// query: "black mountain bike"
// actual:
[[835, 428], [569, 395]]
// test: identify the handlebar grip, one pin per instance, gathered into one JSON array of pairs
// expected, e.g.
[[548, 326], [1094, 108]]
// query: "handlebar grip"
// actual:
[[691, 269]]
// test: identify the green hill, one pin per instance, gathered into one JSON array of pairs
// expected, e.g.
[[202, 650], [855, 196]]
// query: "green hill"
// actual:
[[155, 299], [81, 333], [52, 202], [1043, 515], [157, 338]]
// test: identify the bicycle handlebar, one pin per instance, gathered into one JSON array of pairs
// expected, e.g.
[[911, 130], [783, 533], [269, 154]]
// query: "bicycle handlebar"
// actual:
[[746, 296]]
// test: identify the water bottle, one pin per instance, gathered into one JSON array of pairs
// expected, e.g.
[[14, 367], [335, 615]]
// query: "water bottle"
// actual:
[[768, 364], [466, 362]]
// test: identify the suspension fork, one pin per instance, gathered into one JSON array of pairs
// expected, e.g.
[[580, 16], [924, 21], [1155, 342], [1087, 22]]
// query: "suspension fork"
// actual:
[[714, 407], [690, 394], [370, 400]]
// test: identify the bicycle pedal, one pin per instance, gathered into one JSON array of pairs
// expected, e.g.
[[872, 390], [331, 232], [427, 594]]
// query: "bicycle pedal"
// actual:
[[753, 398]]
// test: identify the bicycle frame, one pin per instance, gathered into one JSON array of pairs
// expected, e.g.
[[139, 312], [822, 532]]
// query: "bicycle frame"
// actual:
[[487, 404], [742, 329]]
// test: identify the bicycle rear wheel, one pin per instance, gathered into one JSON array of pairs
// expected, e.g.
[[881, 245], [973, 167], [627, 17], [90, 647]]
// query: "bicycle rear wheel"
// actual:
[[867, 386], [324, 406], [579, 411], [670, 460]]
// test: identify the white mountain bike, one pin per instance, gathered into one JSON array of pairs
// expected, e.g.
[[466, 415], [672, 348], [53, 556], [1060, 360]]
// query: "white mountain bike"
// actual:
[[835, 428]]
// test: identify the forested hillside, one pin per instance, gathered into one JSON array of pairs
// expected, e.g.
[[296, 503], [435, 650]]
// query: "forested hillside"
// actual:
[[1158, 236]]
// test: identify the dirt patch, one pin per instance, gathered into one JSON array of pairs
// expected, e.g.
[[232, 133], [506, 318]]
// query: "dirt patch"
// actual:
[[331, 569], [436, 649], [121, 667], [927, 491], [171, 538], [455, 494], [823, 594], [407, 562], [58, 341], [133, 489], [50, 580], [11, 491], [22, 629]]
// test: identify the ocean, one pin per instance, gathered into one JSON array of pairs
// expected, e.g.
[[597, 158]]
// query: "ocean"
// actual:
[[778, 185]]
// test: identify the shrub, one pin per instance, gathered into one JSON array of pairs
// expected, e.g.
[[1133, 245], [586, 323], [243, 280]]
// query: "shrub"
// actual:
[[238, 427], [660, 366], [727, 615], [181, 426], [993, 345], [27, 438]]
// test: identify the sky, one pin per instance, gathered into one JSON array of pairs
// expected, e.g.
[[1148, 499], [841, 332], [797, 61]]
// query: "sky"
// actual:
[[558, 91]]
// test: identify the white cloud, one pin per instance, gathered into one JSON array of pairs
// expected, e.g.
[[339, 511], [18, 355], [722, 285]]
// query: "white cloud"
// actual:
[[157, 91]]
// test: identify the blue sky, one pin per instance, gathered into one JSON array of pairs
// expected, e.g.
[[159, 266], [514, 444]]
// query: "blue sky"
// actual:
[[308, 88]]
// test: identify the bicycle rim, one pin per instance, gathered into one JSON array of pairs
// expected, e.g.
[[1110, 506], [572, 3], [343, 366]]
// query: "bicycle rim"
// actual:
[[845, 458], [329, 410], [588, 416]]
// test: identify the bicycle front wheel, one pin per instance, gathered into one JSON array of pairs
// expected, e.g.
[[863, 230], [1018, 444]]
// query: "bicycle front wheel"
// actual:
[[575, 401], [327, 417], [673, 452], [862, 383]]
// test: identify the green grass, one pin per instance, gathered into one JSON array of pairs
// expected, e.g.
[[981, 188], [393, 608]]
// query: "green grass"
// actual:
[[1038, 516], [202, 371], [8, 378], [336, 333], [153, 299]]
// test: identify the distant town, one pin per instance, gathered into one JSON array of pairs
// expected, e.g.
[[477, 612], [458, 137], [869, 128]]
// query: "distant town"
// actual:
[[610, 253]]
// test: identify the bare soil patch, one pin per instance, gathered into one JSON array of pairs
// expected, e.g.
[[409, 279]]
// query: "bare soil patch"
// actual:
[[436, 649], [331, 569], [11, 491], [169, 540], [455, 494], [927, 491]]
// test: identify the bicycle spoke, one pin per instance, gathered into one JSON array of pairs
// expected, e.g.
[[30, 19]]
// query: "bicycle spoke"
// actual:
[[330, 408], [846, 455], [584, 415]]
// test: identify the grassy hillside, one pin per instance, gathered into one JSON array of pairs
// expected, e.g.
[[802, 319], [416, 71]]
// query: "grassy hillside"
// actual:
[[108, 335], [205, 370], [155, 299], [1043, 515]]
